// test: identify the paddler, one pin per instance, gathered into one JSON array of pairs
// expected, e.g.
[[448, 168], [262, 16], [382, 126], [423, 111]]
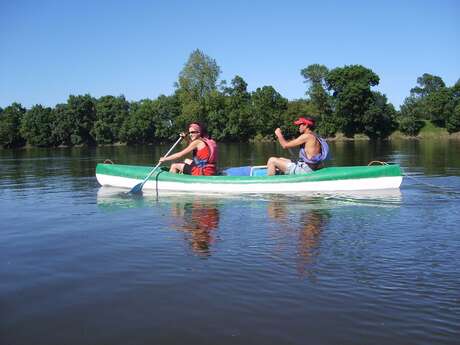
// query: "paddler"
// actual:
[[313, 150], [204, 153]]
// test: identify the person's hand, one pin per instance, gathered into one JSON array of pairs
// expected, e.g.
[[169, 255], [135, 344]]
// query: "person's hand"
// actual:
[[183, 135], [188, 161], [162, 159], [278, 132]]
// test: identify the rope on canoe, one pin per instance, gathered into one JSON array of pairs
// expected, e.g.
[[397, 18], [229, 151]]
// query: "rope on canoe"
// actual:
[[439, 188], [442, 189], [378, 162], [406, 175], [156, 182]]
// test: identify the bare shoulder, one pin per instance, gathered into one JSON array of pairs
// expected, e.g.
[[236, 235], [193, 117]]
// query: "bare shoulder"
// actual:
[[306, 137], [198, 143]]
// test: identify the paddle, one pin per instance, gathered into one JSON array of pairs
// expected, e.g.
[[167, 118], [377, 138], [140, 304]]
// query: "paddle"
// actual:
[[138, 188]]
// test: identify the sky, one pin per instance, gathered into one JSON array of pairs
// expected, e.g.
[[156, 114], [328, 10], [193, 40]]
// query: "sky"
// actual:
[[52, 49]]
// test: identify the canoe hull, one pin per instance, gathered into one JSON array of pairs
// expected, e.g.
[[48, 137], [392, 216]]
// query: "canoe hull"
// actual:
[[334, 179]]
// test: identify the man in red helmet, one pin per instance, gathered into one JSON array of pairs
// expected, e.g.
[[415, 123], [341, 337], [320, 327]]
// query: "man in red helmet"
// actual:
[[313, 150]]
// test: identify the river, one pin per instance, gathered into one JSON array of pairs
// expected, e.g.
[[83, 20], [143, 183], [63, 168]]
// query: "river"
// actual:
[[80, 264]]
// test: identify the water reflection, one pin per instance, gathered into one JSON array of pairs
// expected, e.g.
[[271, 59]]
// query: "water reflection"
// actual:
[[296, 222], [198, 219], [303, 225]]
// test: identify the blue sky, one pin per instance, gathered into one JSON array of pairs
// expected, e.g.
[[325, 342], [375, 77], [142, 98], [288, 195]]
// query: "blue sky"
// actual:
[[51, 49]]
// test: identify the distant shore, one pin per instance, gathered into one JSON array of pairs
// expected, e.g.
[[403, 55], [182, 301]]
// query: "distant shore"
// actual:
[[430, 133]]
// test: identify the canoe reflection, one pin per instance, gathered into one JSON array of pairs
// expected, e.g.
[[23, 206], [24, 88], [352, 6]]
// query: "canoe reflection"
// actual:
[[198, 219], [304, 227]]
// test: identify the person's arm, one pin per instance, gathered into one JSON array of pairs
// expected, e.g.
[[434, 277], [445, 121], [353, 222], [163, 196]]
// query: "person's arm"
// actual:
[[292, 143], [182, 153]]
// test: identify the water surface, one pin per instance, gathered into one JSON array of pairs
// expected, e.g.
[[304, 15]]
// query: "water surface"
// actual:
[[80, 264]]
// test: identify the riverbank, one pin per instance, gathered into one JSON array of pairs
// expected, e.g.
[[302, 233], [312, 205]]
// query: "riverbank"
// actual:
[[428, 132]]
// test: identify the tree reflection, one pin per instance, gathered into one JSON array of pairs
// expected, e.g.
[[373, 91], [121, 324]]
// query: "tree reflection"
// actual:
[[198, 220]]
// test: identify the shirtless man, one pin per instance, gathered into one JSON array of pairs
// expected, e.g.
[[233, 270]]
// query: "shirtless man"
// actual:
[[313, 150]]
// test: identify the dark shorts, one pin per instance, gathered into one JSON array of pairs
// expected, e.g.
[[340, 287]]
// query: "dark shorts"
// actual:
[[187, 169]]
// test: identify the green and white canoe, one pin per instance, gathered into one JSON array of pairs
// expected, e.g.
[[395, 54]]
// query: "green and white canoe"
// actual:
[[327, 179]]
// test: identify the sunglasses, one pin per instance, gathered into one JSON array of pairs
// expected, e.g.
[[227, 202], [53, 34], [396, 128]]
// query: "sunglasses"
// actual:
[[193, 132]]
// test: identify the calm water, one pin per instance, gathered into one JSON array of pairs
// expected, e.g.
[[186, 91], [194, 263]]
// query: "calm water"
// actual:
[[80, 264]]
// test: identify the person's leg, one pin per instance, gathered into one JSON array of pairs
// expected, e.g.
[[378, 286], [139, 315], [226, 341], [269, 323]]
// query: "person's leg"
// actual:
[[176, 168], [277, 163]]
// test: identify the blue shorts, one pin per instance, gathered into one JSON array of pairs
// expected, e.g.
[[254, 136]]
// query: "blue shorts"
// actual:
[[298, 168]]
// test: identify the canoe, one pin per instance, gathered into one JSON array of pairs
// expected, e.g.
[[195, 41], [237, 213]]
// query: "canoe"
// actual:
[[327, 179]]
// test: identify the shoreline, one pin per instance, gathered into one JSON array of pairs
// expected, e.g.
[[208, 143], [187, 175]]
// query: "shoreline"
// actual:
[[395, 136]]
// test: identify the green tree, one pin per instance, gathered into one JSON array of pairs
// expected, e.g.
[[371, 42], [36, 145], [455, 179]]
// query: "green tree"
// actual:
[[431, 96], [238, 111], [37, 126], [295, 109], [197, 79], [111, 112], [351, 86], [427, 84], [199, 75], [268, 107], [379, 120], [453, 110], [216, 116], [409, 122], [435, 106], [63, 126], [10, 122], [166, 110], [315, 75], [139, 127], [75, 120], [150, 121]]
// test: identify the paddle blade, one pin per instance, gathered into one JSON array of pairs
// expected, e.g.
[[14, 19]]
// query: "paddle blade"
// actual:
[[137, 189]]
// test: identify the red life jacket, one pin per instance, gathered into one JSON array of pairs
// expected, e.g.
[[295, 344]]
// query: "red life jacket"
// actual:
[[205, 159]]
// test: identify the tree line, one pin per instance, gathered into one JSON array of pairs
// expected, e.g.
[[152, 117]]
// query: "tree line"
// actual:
[[341, 100]]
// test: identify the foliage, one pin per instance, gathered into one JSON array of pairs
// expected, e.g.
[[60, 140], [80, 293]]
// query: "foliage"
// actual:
[[238, 126], [197, 80], [166, 110], [37, 126], [139, 127], [110, 114], [151, 121], [316, 75], [379, 120], [427, 84], [10, 121], [410, 125], [268, 107], [340, 99], [351, 86], [453, 121], [433, 100], [453, 110], [409, 122], [434, 106], [75, 120], [295, 109], [216, 117], [199, 75]]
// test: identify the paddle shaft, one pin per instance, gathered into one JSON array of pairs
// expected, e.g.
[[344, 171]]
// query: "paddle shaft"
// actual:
[[139, 186]]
